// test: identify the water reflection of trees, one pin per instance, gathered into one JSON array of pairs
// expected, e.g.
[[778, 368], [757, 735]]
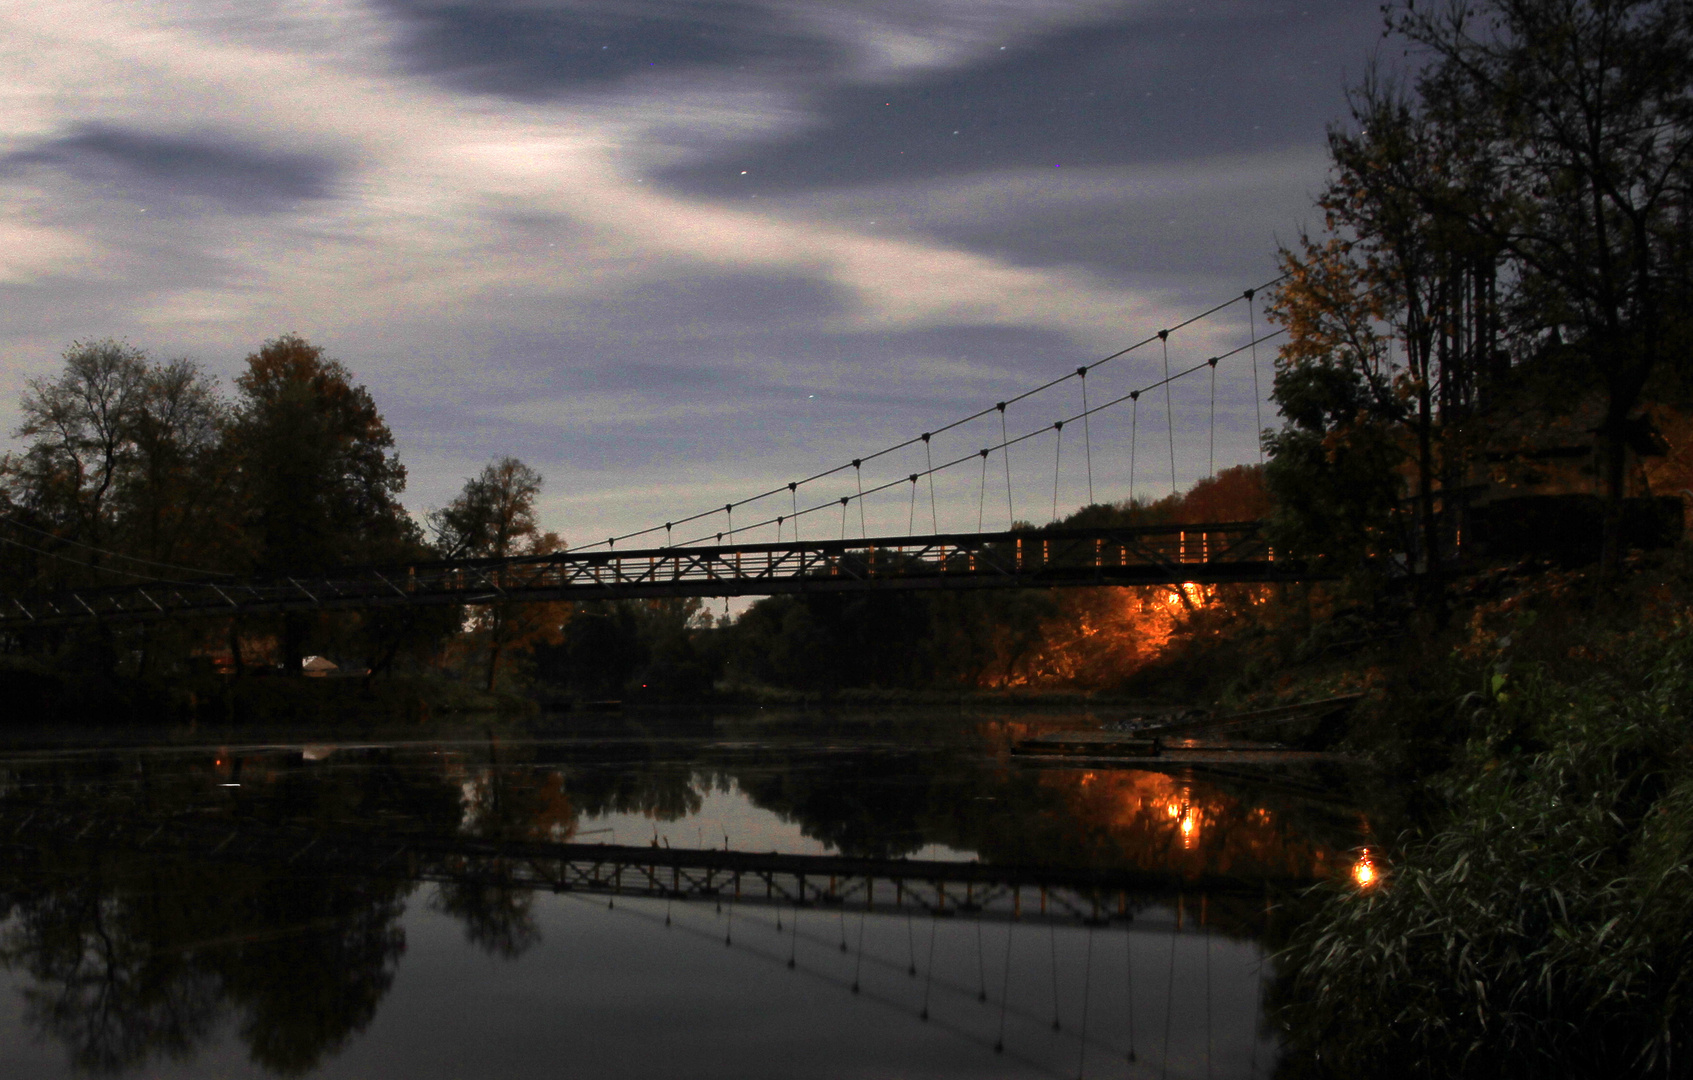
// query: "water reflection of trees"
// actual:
[[135, 957], [506, 798]]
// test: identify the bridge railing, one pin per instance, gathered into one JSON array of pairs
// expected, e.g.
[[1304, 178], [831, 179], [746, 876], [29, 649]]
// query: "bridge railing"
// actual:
[[1174, 554]]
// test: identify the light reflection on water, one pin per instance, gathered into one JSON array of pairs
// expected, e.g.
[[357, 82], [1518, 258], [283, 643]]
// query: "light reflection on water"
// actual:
[[146, 963]]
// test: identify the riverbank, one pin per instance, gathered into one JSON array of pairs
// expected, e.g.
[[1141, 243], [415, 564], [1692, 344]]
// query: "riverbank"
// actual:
[[39, 694]]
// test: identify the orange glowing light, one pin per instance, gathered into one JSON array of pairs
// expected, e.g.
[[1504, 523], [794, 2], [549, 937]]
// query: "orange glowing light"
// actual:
[[1364, 873]]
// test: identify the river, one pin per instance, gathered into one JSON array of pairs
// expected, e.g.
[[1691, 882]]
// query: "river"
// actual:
[[310, 903]]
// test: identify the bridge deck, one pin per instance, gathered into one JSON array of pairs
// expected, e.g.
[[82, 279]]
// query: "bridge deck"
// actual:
[[1203, 553]]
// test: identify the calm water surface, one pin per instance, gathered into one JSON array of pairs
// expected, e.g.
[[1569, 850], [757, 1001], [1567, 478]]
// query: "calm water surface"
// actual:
[[403, 908]]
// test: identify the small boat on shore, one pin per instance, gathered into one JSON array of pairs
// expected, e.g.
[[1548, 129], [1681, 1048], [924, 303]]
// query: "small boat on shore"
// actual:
[[1229, 723], [1205, 737]]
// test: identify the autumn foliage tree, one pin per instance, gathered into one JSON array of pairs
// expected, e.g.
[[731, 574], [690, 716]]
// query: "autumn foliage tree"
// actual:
[[494, 517], [316, 472], [315, 479]]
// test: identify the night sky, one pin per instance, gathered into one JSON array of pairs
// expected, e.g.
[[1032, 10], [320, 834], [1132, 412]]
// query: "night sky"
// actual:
[[677, 253]]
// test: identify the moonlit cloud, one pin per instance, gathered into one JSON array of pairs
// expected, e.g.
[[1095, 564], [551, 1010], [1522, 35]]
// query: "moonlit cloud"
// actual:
[[525, 223]]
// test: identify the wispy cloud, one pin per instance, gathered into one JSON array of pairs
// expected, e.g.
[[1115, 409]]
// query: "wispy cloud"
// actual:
[[468, 200]]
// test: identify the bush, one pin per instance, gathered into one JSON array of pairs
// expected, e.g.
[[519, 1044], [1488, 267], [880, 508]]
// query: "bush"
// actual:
[[1545, 925]]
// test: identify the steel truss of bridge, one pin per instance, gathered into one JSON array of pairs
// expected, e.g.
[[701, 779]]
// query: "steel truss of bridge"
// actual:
[[1145, 555]]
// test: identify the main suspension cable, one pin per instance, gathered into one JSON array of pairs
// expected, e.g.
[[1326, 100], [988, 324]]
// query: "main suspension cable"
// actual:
[[1132, 396], [1080, 372]]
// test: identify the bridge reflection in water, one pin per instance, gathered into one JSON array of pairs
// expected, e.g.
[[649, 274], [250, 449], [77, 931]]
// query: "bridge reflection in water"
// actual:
[[164, 903]]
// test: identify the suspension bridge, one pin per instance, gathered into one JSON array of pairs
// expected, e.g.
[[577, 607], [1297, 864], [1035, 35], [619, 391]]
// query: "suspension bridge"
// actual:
[[769, 555]]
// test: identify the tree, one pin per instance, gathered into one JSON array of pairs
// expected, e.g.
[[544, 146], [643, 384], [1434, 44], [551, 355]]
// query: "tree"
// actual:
[[494, 518], [80, 429], [1526, 199], [1577, 116], [117, 481], [314, 473], [320, 482], [169, 497], [1392, 323], [1333, 467]]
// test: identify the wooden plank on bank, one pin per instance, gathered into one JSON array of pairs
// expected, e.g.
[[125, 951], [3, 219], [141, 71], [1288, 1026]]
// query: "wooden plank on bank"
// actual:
[[1281, 714]]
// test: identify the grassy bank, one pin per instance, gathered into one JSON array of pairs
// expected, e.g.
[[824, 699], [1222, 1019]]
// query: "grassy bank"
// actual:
[[1535, 914]]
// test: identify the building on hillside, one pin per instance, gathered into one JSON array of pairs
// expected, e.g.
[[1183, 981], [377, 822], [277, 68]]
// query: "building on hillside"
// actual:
[[1534, 484]]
